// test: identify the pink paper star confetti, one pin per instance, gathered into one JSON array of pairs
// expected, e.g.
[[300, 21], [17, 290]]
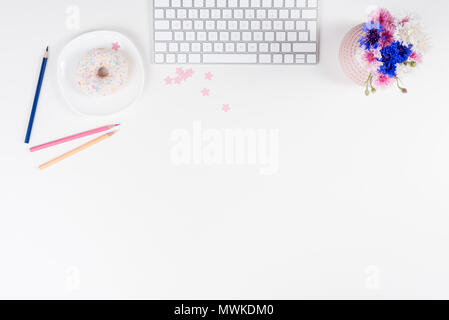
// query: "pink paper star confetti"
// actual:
[[226, 108], [178, 80], [208, 76], [189, 73], [205, 92], [168, 80], [179, 71], [115, 46]]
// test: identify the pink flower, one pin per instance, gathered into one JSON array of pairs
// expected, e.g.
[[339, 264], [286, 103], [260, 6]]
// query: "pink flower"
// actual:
[[387, 21], [415, 56], [382, 80], [388, 36], [404, 21], [368, 59], [384, 17]]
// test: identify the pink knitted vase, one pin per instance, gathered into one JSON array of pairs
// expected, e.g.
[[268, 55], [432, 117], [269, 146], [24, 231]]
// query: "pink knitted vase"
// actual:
[[348, 60]]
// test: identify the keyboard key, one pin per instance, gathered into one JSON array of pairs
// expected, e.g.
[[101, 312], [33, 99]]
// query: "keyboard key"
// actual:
[[163, 36], [182, 13], [303, 36], [295, 14], [170, 58], [288, 58], [301, 3], [275, 47], [173, 47], [179, 36], [283, 14], [291, 36], [263, 47], [272, 14], [230, 58], [277, 58], [162, 3], [246, 36], [312, 26], [184, 47], [241, 47], [162, 24], [290, 3], [286, 47], [266, 25], [238, 14], [176, 25], [170, 14], [218, 47], [199, 3], [198, 25], [312, 3], [204, 14], [221, 25], [304, 47], [201, 36], [207, 47], [224, 36], [190, 36], [187, 25], [311, 58], [265, 58], [227, 14], [233, 25], [229, 47], [160, 47], [252, 47], [261, 14], [196, 47], [215, 14], [280, 36], [194, 58], [249, 14], [159, 14], [235, 36], [159, 58], [210, 25], [309, 14], [267, 3]]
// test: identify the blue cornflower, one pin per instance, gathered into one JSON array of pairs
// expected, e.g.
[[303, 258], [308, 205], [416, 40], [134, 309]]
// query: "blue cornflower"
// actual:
[[392, 55], [397, 52], [372, 35], [388, 68]]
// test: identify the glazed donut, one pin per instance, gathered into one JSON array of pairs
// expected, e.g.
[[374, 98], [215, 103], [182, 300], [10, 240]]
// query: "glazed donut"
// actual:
[[102, 72]]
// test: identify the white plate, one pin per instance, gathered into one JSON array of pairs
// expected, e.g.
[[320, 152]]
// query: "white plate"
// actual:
[[68, 61]]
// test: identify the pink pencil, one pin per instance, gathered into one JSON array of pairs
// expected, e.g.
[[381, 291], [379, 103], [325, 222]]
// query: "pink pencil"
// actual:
[[71, 138]]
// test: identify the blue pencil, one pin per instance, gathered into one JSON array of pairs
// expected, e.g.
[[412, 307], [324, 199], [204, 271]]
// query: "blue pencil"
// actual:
[[36, 97]]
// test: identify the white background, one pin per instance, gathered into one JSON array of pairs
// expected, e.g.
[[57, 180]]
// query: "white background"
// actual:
[[358, 209]]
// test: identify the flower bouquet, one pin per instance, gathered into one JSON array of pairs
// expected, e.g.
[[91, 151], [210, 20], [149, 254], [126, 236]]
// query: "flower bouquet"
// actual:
[[379, 52]]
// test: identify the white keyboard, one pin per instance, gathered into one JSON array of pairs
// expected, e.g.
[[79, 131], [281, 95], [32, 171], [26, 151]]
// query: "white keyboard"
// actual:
[[236, 31]]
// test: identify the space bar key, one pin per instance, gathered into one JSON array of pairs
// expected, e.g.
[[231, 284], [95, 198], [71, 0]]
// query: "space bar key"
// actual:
[[229, 58]]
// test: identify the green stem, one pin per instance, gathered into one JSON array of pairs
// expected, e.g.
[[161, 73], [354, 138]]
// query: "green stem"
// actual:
[[367, 84], [403, 90]]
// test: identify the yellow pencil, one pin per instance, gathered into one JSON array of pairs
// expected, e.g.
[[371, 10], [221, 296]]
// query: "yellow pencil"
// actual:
[[75, 151]]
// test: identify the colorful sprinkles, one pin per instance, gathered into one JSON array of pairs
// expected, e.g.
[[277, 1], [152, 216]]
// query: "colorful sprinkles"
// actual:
[[101, 72]]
